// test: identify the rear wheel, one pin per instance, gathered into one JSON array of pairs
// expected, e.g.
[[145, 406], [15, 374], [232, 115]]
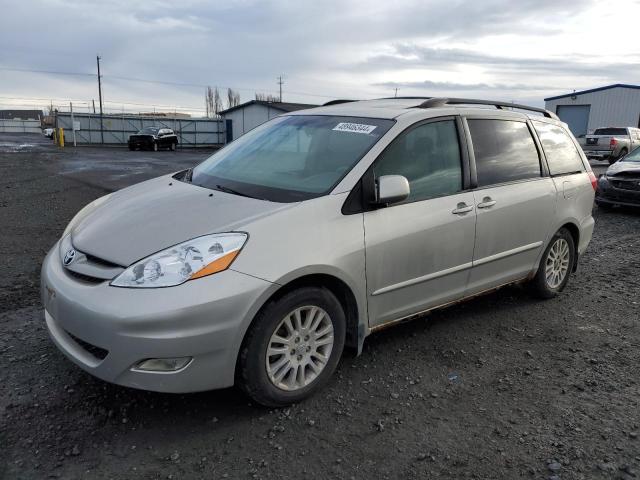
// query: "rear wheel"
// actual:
[[555, 266], [293, 347], [131, 147], [155, 146]]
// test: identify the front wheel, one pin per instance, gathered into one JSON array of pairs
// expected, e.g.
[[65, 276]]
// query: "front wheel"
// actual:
[[293, 347], [555, 266], [172, 147]]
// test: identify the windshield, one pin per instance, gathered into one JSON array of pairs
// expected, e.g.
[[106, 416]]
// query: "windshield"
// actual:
[[634, 156], [291, 158], [148, 131], [610, 131]]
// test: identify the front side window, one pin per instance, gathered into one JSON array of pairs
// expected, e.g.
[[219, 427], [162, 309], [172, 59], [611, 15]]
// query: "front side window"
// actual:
[[291, 158], [562, 154], [504, 151], [429, 157]]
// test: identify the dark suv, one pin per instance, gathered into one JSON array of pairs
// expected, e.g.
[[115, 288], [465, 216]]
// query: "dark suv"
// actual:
[[153, 138]]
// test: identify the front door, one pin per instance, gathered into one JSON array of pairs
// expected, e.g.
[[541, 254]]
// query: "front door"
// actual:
[[419, 252]]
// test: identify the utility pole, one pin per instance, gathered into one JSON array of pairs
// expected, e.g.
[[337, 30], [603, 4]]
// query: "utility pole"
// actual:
[[280, 82], [396, 94], [93, 102], [100, 98]]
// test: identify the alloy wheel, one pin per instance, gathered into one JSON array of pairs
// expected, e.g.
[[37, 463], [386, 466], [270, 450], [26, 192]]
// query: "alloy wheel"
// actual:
[[299, 348], [557, 264]]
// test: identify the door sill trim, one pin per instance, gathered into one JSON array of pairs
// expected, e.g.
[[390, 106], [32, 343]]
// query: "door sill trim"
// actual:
[[391, 323]]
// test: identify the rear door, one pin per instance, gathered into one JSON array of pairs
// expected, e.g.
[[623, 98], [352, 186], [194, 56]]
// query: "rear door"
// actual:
[[419, 252], [515, 201]]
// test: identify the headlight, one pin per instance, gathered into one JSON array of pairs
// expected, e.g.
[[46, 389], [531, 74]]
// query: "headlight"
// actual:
[[86, 210], [186, 261]]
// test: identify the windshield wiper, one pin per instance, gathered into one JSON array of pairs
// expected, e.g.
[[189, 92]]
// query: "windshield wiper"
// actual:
[[222, 188]]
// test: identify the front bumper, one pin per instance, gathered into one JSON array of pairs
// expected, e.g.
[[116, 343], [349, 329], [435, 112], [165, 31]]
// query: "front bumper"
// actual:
[[204, 319], [610, 195], [141, 142]]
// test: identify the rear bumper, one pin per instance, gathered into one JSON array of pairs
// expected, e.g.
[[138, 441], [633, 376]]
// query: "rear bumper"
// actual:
[[108, 330], [599, 154]]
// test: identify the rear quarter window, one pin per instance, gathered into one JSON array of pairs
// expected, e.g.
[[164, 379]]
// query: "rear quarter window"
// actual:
[[504, 151], [562, 155]]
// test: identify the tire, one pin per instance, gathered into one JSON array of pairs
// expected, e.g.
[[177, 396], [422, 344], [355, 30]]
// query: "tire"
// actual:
[[131, 147], [261, 377], [155, 146], [541, 285], [172, 147]]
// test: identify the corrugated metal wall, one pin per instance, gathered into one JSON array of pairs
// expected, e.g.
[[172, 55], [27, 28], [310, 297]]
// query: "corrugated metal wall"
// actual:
[[616, 107], [249, 117], [191, 132], [20, 126]]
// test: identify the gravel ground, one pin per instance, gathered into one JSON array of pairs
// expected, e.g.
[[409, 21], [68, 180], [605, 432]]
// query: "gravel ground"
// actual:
[[503, 386]]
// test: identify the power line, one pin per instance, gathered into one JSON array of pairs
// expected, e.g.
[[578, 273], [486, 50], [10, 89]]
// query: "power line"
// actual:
[[49, 72]]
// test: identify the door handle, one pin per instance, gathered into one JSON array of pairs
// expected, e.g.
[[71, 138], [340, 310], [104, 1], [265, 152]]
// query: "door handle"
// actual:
[[462, 208], [487, 202]]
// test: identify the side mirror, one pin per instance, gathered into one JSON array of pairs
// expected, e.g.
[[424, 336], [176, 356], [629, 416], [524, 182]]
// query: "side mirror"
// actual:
[[392, 189]]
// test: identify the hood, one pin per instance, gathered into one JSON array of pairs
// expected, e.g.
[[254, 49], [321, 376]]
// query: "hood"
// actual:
[[622, 166], [151, 216]]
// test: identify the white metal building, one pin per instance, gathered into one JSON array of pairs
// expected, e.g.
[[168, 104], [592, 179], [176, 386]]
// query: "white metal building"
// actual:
[[242, 118], [610, 106]]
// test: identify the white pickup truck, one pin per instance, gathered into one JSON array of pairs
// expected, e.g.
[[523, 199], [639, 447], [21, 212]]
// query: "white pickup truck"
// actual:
[[611, 143]]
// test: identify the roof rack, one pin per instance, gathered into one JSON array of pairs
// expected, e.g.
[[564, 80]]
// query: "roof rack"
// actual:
[[337, 102], [441, 102]]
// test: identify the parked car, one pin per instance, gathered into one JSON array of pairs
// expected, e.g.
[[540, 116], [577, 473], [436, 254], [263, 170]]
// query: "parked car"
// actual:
[[611, 143], [153, 138], [309, 233], [620, 185], [48, 132]]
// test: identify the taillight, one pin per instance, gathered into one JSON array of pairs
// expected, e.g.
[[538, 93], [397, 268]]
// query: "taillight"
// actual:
[[613, 142], [594, 180]]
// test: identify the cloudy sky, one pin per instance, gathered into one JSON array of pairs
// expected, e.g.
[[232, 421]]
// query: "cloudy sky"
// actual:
[[163, 53]]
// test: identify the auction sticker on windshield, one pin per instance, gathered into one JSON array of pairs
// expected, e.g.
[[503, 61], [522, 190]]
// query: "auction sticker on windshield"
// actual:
[[354, 128]]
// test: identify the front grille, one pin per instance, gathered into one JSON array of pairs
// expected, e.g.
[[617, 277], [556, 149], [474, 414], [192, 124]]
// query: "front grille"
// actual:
[[627, 184], [101, 261], [85, 278], [97, 352]]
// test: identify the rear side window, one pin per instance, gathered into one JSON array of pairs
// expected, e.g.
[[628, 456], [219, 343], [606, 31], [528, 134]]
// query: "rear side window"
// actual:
[[562, 154], [504, 151], [428, 156]]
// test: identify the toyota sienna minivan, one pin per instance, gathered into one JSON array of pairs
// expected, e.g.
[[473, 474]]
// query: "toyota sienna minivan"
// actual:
[[310, 232]]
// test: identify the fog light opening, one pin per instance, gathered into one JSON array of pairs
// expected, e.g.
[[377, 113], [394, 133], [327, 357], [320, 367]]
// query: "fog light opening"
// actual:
[[162, 364]]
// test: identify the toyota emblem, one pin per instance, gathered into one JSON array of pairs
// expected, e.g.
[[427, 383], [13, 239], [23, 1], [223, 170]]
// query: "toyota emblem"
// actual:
[[68, 257]]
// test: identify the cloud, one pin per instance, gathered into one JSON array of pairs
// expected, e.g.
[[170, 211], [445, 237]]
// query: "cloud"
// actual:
[[408, 56]]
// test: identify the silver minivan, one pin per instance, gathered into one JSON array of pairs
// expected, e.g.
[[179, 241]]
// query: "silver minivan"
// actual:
[[258, 266]]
